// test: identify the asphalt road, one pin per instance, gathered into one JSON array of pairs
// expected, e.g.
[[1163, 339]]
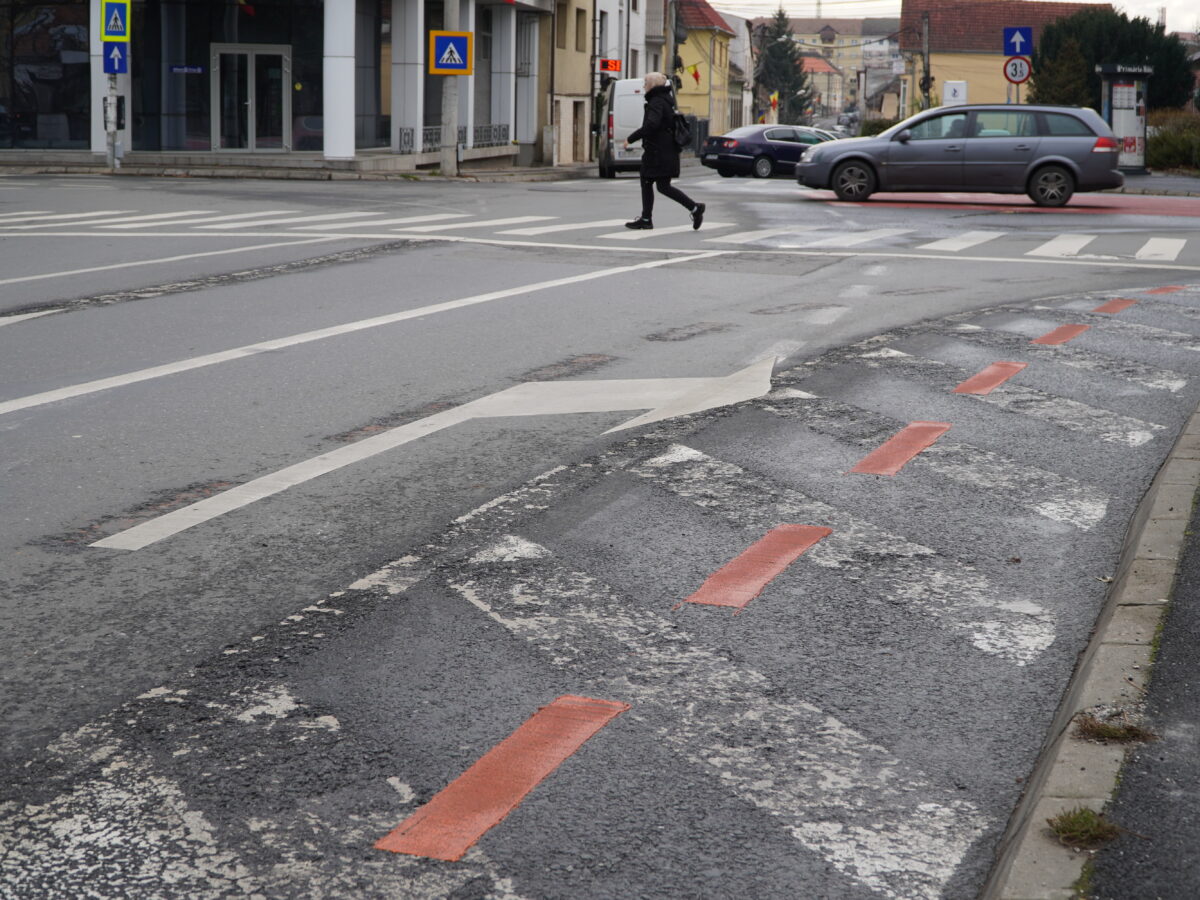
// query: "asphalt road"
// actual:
[[295, 631]]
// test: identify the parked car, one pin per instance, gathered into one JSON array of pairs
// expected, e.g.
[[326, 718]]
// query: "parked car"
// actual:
[[1047, 152], [760, 150]]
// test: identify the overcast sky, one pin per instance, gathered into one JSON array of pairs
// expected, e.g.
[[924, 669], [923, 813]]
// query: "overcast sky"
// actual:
[[1182, 15]]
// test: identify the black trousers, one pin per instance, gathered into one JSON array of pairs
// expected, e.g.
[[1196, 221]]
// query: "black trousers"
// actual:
[[667, 190]]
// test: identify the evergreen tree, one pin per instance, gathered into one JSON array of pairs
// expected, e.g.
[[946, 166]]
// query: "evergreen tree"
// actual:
[[1107, 36], [779, 68], [1063, 79]]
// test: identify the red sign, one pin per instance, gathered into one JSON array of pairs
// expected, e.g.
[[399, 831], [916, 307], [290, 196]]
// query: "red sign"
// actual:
[[610, 65]]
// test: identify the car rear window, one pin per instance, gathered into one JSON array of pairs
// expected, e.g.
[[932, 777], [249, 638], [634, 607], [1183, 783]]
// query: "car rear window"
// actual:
[[1062, 125]]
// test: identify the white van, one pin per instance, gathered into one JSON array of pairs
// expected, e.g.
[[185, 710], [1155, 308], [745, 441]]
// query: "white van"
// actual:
[[624, 105]]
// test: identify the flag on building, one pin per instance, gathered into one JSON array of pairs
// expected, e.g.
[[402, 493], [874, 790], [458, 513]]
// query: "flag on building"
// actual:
[[774, 100]]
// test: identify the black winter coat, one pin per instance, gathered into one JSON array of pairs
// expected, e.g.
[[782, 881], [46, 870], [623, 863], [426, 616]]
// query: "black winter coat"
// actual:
[[660, 156]]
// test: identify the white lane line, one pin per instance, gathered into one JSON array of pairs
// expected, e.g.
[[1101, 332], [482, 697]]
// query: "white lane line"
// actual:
[[871, 815], [324, 217], [62, 218], [650, 234], [569, 226], [211, 216], [854, 238], [963, 241], [487, 223], [169, 259], [1162, 249], [750, 237], [25, 213], [197, 362], [12, 320], [1063, 245], [375, 223], [153, 219]]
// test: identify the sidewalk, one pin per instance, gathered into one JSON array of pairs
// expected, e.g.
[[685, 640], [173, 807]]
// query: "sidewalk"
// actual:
[[1162, 183]]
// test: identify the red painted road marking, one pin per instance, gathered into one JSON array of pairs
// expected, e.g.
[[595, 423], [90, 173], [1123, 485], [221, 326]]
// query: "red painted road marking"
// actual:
[[463, 811], [890, 457], [1169, 289], [1115, 306], [1061, 335], [743, 578], [990, 378]]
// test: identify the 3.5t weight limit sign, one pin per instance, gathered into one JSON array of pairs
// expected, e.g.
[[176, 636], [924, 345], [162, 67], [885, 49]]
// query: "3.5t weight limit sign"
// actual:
[[1017, 69]]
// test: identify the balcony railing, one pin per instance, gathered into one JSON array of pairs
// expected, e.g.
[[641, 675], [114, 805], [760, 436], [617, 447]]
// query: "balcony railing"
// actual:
[[490, 135], [407, 138]]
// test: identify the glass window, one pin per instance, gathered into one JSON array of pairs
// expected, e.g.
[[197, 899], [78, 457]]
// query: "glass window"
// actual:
[[1004, 123], [1061, 124], [938, 128], [560, 26], [781, 134], [581, 30], [45, 76]]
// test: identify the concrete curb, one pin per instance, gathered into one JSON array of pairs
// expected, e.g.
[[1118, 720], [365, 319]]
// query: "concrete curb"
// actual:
[[1113, 671]]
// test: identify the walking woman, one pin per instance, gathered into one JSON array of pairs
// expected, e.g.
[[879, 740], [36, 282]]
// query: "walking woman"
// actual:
[[660, 156]]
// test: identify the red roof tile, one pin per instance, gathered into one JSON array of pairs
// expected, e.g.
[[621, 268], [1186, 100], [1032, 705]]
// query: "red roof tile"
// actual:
[[977, 26], [818, 65], [698, 14]]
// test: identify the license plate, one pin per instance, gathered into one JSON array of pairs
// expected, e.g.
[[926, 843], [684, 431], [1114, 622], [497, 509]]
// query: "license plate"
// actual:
[[710, 156]]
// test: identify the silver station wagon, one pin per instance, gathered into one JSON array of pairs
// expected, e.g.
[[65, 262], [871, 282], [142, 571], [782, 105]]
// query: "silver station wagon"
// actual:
[[1047, 152]]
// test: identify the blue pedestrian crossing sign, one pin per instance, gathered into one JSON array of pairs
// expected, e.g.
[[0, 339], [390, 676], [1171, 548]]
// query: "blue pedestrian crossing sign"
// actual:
[[114, 19], [450, 53], [1018, 41], [116, 58]]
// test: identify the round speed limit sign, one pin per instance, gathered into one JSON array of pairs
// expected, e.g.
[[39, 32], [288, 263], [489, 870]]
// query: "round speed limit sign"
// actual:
[[1017, 69]]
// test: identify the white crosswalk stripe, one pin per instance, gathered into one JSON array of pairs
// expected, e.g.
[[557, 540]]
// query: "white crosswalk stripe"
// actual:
[[1062, 245], [486, 223], [563, 226], [381, 223], [209, 217], [17, 216], [61, 218], [875, 818], [751, 237], [327, 217], [850, 238], [964, 241], [1162, 249], [150, 221], [638, 235]]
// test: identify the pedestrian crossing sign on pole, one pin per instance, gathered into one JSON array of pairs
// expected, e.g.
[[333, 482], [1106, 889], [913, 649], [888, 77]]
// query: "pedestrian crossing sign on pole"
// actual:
[[450, 53], [114, 19]]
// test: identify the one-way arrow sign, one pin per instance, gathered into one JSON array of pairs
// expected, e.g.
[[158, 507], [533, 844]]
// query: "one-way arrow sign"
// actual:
[[1018, 41], [116, 58], [664, 397]]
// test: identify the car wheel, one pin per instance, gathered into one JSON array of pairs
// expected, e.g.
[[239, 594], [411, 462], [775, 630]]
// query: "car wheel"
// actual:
[[725, 173], [763, 167], [1051, 186], [853, 180]]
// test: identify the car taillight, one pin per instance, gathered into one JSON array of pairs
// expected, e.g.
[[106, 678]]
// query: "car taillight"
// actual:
[[610, 128], [1104, 145], [729, 145]]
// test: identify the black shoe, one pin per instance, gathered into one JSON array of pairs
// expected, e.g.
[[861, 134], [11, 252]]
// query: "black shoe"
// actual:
[[639, 223], [698, 215]]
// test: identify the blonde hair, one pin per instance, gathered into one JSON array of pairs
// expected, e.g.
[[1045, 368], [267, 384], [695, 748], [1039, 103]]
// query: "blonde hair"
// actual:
[[654, 79]]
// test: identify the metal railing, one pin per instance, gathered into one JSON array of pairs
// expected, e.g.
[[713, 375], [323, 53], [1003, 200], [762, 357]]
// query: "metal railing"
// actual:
[[407, 138], [431, 137], [491, 135]]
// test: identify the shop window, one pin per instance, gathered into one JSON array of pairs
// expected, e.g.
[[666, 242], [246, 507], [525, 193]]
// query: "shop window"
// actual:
[[45, 82]]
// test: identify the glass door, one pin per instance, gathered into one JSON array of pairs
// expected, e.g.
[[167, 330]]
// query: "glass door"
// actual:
[[251, 100]]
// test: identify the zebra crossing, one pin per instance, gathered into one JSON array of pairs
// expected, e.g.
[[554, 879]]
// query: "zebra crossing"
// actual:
[[1132, 248]]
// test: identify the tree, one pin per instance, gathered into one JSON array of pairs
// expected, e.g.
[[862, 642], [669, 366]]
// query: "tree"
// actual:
[[1063, 79], [780, 68], [1106, 36]]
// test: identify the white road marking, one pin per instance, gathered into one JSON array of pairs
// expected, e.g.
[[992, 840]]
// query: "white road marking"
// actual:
[[963, 241], [487, 223], [327, 217], [1164, 249], [208, 217], [951, 593], [854, 238], [665, 397], [404, 220], [873, 817], [568, 226], [196, 362], [1063, 245], [168, 259], [149, 221], [12, 320], [857, 291], [636, 235], [6, 217], [749, 237], [60, 219]]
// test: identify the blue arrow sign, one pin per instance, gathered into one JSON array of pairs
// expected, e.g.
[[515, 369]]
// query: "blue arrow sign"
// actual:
[[116, 58], [1018, 41]]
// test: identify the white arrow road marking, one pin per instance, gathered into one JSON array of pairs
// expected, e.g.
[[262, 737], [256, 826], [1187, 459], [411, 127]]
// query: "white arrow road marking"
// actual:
[[667, 397], [197, 362], [893, 567], [871, 815]]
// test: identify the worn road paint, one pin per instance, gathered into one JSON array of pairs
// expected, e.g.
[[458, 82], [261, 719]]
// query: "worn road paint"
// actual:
[[1166, 289], [1061, 334], [1115, 306], [989, 379], [462, 812], [743, 578], [890, 457]]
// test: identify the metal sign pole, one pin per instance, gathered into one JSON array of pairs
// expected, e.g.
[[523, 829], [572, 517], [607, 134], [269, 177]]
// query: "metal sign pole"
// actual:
[[110, 123], [449, 147]]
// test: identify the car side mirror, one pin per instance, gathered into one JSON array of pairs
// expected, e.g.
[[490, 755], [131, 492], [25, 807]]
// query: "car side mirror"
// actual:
[[904, 137]]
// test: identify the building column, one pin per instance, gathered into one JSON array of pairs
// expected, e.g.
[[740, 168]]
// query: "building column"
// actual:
[[338, 82], [98, 80], [504, 68], [408, 71]]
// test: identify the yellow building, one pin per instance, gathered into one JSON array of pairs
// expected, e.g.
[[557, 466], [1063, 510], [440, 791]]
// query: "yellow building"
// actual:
[[705, 55], [966, 44], [572, 80]]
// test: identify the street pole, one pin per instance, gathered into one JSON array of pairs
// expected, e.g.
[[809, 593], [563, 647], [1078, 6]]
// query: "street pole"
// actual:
[[925, 82], [449, 146], [110, 124]]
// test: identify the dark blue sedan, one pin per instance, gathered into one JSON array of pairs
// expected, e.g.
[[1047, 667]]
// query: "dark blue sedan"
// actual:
[[759, 150]]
